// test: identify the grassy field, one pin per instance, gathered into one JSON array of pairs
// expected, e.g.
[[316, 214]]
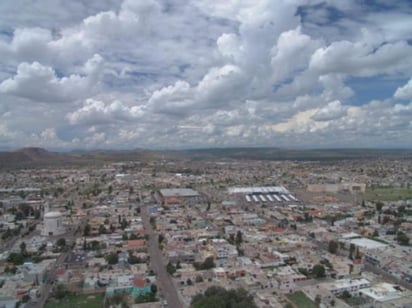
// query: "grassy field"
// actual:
[[388, 194], [79, 301], [301, 300]]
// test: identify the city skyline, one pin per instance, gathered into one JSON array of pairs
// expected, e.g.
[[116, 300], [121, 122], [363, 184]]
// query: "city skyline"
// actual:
[[192, 74]]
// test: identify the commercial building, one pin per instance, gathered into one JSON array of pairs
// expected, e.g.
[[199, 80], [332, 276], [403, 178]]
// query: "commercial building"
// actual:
[[169, 196]]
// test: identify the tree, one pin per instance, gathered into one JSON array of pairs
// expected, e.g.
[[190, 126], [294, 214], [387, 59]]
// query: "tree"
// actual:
[[219, 297], [112, 258], [207, 264], [170, 268], [25, 298], [23, 250], [102, 229], [61, 292], [239, 238], [402, 238], [379, 206], [153, 288], [351, 250], [61, 242], [333, 246], [86, 231], [318, 300], [318, 271]]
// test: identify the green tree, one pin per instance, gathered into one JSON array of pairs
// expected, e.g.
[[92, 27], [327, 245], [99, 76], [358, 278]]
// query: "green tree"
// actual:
[[87, 229], [379, 206], [112, 258], [239, 238], [351, 250], [153, 288], [333, 246], [61, 242], [218, 297], [25, 298], [318, 300], [207, 264], [102, 229], [61, 292], [318, 271], [170, 268], [402, 238], [23, 250]]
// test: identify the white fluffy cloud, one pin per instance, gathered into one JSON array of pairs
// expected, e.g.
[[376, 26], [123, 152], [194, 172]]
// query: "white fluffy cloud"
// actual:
[[95, 112], [404, 92], [37, 82], [333, 110], [360, 59], [202, 73]]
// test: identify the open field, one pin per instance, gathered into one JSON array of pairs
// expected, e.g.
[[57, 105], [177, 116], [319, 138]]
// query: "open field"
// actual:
[[78, 301], [388, 194], [301, 300]]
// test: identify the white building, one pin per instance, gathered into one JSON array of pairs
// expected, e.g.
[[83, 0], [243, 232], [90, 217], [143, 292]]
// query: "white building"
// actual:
[[350, 285], [53, 224], [382, 292]]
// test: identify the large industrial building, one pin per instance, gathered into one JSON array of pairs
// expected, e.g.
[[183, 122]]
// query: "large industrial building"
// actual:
[[169, 196], [277, 194]]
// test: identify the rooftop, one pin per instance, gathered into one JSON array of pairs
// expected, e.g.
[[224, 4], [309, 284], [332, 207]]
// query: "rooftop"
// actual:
[[178, 192]]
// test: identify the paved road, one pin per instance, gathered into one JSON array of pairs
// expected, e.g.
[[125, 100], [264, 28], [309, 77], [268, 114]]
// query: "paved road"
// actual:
[[164, 281], [387, 276]]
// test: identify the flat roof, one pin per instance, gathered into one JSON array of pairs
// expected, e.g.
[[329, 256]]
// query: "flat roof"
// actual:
[[382, 292], [258, 189], [178, 192], [346, 283], [367, 243], [350, 235]]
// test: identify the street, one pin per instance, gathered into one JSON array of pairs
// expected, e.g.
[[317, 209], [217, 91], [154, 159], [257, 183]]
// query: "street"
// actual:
[[165, 282]]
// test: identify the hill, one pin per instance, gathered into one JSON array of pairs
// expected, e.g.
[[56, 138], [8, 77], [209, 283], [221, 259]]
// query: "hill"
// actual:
[[40, 158]]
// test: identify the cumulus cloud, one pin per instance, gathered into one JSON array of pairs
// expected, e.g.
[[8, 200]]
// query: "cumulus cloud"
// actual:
[[238, 72], [360, 59], [218, 88], [333, 110], [40, 83], [404, 92], [291, 54], [95, 112]]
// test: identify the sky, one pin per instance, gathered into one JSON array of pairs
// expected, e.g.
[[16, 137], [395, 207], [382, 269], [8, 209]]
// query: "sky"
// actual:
[[158, 74]]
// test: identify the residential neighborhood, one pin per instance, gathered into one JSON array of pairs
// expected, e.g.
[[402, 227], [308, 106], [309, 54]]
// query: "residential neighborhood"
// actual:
[[157, 234]]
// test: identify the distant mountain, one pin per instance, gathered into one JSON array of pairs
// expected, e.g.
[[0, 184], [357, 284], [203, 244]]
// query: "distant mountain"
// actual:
[[296, 154], [39, 158], [32, 157]]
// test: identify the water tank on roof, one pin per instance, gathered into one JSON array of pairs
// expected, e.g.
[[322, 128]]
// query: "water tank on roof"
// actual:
[[53, 223]]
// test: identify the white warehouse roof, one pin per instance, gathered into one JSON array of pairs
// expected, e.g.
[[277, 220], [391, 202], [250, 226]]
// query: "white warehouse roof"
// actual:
[[258, 189]]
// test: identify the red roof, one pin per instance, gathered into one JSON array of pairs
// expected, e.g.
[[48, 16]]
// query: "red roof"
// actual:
[[60, 272], [140, 283], [136, 243]]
